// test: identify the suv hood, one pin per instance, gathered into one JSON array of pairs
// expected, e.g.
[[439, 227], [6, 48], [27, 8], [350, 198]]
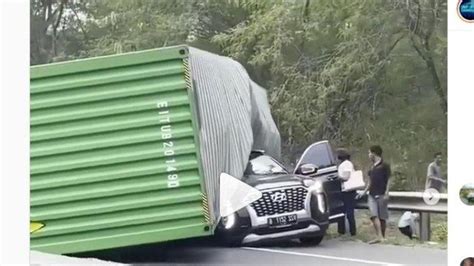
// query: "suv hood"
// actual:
[[276, 180]]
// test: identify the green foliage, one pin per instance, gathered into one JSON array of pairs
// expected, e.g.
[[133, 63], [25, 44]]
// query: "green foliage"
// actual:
[[354, 72], [440, 232]]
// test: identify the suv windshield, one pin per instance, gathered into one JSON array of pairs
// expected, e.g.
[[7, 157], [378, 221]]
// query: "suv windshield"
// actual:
[[319, 155], [264, 165]]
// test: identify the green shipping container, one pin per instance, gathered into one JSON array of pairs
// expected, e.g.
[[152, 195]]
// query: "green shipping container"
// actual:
[[114, 153]]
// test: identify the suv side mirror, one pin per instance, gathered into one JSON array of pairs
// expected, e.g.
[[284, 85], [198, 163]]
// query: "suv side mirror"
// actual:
[[307, 169]]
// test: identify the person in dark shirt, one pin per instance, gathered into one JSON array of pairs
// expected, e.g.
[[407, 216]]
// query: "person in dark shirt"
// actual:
[[378, 187]]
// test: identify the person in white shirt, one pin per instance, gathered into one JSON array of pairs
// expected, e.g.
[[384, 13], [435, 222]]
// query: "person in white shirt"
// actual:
[[345, 168], [408, 224]]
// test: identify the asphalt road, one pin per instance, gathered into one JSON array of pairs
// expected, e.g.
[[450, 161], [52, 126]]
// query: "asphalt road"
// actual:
[[329, 252]]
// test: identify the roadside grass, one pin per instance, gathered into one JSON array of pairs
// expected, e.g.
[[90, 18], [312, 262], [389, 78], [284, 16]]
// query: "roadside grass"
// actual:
[[365, 231]]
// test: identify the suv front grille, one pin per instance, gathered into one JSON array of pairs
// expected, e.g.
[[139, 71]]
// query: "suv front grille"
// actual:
[[280, 201]]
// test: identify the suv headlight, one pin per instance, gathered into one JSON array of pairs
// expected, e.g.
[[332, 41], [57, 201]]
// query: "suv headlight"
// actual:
[[321, 202], [313, 185], [228, 221], [316, 186], [308, 182]]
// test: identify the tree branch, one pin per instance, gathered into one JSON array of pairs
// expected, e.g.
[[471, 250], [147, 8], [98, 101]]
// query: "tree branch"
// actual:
[[58, 20], [79, 22], [418, 49]]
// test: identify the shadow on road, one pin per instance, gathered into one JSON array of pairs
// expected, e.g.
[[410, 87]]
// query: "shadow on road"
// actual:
[[149, 252], [191, 250]]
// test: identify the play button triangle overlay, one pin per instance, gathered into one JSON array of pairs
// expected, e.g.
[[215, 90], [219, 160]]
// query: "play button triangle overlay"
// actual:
[[235, 194]]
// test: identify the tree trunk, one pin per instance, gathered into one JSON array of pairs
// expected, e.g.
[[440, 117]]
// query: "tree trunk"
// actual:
[[55, 28], [421, 43], [53, 44], [437, 83], [429, 61], [305, 20]]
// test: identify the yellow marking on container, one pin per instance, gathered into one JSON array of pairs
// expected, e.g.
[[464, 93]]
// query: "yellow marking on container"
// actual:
[[35, 226]]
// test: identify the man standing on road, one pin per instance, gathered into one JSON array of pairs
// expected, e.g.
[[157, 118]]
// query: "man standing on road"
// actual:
[[378, 188], [433, 175]]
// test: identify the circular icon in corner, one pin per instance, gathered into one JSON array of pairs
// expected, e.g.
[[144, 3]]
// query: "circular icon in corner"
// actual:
[[467, 194], [466, 10], [431, 196], [467, 261]]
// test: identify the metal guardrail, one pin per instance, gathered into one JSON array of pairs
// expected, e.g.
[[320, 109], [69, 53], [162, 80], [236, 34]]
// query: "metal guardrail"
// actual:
[[413, 201], [410, 201]]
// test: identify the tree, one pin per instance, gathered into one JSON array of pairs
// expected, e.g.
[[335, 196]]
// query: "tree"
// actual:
[[49, 21], [353, 72], [426, 23]]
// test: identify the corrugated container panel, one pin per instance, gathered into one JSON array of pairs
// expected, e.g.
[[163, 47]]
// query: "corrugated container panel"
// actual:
[[114, 152], [234, 116]]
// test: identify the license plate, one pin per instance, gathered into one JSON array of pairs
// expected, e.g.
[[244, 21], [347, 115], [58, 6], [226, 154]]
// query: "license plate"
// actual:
[[283, 220]]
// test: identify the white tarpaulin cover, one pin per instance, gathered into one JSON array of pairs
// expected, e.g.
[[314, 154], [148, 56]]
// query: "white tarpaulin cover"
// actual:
[[234, 118]]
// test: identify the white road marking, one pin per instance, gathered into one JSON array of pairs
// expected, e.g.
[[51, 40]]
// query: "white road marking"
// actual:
[[323, 256]]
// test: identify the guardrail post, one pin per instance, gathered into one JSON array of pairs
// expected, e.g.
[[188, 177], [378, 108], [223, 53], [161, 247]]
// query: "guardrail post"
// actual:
[[425, 226]]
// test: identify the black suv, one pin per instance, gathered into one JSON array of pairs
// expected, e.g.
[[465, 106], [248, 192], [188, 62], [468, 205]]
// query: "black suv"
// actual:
[[293, 205], [321, 155]]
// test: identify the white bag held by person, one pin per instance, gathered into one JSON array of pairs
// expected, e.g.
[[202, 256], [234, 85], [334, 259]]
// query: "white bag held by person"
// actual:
[[355, 181]]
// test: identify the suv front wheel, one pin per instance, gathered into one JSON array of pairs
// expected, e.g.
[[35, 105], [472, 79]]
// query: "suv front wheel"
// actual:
[[314, 241]]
